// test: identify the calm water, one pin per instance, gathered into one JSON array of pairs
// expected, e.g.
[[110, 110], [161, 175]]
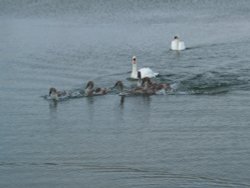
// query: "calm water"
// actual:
[[196, 136]]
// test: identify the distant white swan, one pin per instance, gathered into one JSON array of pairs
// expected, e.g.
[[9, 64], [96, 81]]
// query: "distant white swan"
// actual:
[[145, 72], [177, 44]]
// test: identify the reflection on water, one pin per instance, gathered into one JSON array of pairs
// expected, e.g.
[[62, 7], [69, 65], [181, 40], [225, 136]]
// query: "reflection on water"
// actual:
[[53, 105], [90, 100], [53, 109], [122, 99]]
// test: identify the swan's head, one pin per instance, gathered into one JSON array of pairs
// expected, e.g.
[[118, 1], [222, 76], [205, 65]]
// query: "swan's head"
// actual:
[[52, 91], [134, 60], [90, 85], [176, 37]]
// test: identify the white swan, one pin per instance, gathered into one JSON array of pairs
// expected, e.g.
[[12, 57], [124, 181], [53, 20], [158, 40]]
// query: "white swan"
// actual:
[[177, 44], [145, 72]]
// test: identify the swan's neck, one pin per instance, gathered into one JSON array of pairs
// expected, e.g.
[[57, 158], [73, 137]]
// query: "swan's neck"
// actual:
[[177, 42], [134, 70]]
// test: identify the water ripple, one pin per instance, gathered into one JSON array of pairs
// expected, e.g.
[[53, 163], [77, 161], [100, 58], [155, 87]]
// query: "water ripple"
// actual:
[[137, 173]]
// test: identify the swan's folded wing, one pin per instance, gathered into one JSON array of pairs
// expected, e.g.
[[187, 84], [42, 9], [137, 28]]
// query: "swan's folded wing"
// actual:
[[147, 72]]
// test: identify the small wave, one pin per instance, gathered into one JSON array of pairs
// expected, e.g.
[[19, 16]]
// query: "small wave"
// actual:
[[145, 173], [209, 83]]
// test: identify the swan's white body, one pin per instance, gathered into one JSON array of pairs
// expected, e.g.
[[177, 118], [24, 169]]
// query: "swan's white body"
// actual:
[[145, 72], [177, 44]]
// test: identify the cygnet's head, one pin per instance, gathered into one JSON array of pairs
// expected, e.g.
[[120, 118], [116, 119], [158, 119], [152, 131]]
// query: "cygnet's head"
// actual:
[[52, 90], [146, 82], [90, 85]]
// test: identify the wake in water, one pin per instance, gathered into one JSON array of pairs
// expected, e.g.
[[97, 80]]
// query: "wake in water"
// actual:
[[66, 94], [144, 86], [208, 83]]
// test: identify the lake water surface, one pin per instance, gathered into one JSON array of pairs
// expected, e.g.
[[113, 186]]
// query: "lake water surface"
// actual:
[[195, 136]]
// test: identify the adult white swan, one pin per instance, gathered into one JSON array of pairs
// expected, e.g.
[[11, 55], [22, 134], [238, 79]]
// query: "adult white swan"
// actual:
[[145, 72], [177, 44]]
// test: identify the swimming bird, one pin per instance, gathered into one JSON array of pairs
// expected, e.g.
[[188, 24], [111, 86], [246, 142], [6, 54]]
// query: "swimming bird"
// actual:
[[177, 44], [100, 91], [146, 87], [91, 91], [139, 90], [145, 72], [154, 88], [120, 88], [55, 94]]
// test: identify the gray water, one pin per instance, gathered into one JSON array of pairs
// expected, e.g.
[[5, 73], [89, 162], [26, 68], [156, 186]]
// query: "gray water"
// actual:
[[196, 136]]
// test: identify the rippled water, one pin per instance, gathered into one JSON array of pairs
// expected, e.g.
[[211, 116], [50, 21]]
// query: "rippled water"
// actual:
[[198, 135]]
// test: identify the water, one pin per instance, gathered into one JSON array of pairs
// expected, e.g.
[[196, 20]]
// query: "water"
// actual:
[[195, 136]]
